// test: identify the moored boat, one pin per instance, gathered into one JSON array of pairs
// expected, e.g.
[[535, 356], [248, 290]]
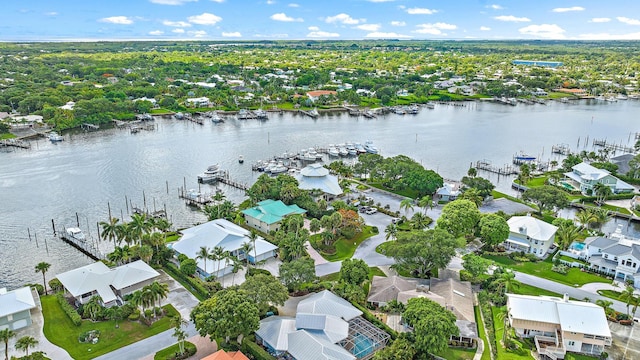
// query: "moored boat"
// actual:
[[370, 148], [55, 137], [75, 233]]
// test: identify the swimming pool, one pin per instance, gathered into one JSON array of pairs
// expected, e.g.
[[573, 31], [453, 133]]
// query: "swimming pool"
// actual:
[[567, 186], [578, 246], [362, 345]]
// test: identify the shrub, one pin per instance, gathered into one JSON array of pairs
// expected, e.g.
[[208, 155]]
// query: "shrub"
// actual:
[[134, 316], [561, 269], [69, 310], [39, 288], [192, 284], [55, 285], [255, 271], [255, 351]]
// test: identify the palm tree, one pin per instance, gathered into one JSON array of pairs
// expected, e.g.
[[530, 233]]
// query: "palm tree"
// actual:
[[139, 225], [472, 172], [406, 204], [217, 255], [126, 254], [426, 202], [160, 290], [473, 195], [114, 313], [246, 249], [606, 305], [110, 229], [391, 231], [567, 233], [628, 297], [602, 192], [43, 267], [25, 342], [419, 221], [145, 252], [203, 254], [237, 266], [93, 307], [6, 335], [314, 225], [585, 217], [507, 281], [253, 236], [503, 316], [181, 336], [601, 217]]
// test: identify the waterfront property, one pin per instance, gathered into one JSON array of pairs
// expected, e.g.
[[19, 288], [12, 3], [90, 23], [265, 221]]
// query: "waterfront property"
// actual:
[[551, 64], [584, 177], [530, 235], [198, 102], [317, 177], [15, 308], [110, 284], [268, 215], [616, 255], [559, 325], [448, 191], [227, 235], [325, 327], [316, 94]]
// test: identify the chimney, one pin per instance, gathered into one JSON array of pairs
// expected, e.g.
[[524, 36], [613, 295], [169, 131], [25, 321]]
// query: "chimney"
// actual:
[[565, 298]]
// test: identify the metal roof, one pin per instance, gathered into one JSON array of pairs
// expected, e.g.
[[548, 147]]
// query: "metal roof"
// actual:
[[326, 302], [271, 211], [15, 301]]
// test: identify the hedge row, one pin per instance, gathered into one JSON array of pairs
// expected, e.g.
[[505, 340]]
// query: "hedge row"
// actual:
[[255, 351], [194, 285], [610, 197], [69, 310], [375, 321]]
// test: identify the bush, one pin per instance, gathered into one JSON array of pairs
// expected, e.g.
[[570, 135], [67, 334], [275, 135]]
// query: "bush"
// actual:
[[39, 288], [73, 315], [255, 351], [171, 352], [255, 271], [55, 285], [134, 316], [192, 284], [561, 269]]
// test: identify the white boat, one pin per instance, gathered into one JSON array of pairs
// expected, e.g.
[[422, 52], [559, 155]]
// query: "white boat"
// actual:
[[399, 110], [241, 159], [333, 151], [431, 105], [370, 148], [600, 97], [351, 149], [612, 99], [261, 114], [305, 156], [622, 97], [413, 109], [634, 96], [343, 151], [75, 233], [244, 114], [314, 113], [55, 137], [179, 116], [360, 148], [212, 173], [215, 117], [279, 168]]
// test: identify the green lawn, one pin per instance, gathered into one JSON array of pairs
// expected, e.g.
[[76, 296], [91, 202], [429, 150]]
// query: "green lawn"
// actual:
[[373, 271], [169, 351], [570, 259], [574, 276], [608, 207], [161, 111], [612, 294], [570, 356], [344, 247], [5, 136], [483, 335], [498, 195], [59, 329], [458, 353], [406, 192], [503, 354], [524, 289], [536, 181]]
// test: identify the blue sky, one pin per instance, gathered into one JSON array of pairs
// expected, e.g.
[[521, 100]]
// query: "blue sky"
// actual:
[[319, 19]]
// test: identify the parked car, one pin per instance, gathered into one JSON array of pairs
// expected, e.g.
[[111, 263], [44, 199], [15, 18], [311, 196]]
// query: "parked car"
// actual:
[[363, 209], [371, 211], [395, 220]]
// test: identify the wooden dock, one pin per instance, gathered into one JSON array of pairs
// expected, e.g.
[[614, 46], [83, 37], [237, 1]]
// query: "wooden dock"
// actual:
[[612, 146], [562, 149], [84, 247], [87, 126], [487, 166]]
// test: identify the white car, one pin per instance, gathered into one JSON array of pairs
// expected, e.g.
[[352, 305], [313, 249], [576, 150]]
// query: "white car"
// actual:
[[371, 211]]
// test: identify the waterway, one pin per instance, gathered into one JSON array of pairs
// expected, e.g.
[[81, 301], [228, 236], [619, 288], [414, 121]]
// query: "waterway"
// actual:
[[89, 170]]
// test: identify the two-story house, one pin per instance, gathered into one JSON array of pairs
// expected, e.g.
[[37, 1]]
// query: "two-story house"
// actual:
[[530, 235], [15, 308], [617, 255], [559, 325], [585, 177]]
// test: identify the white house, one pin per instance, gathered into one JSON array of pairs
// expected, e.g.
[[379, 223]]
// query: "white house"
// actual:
[[616, 255], [227, 235], [585, 177], [530, 235], [15, 308], [559, 325], [198, 102], [315, 176], [112, 285]]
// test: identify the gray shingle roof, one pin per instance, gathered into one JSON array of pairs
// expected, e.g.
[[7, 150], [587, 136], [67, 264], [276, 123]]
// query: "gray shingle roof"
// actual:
[[385, 289], [600, 242]]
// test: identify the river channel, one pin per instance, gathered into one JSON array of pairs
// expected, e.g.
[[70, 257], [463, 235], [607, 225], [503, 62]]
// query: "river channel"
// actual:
[[87, 171]]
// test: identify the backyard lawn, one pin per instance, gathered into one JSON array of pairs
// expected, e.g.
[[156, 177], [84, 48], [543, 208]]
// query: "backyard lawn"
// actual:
[[344, 247], [168, 351], [458, 353], [59, 329], [503, 354], [574, 277], [483, 335]]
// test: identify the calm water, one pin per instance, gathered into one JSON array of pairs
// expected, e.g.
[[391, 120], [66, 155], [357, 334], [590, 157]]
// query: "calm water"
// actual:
[[88, 170]]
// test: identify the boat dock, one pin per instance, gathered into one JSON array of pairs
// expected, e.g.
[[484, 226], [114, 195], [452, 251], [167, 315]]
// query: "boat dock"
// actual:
[[195, 198], [224, 178], [310, 114], [612, 147], [87, 126], [487, 166], [15, 143], [562, 149], [84, 247]]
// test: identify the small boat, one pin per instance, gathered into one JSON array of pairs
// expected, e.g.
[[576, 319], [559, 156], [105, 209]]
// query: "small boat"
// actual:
[[333, 151], [431, 105], [343, 151], [244, 114], [413, 109], [612, 99], [279, 168], [215, 117], [261, 114], [179, 116], [241, 159], [521, 156], [360, 148], [314, 113], [351, 149], [75, 233], [212, 173], [634, 96], [399, 110], [305, 156], [369, 114], [55, 137], [622, 97], [370, 148]]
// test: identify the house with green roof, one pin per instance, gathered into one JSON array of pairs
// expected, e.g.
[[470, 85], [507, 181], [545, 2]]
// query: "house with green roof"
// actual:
[[267, 216]]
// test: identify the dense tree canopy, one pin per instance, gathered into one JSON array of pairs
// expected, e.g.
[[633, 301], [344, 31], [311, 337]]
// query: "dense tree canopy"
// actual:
[[228, 314], [432, 324], [547, 197], [459, 217], [420, 251], [493, 229]]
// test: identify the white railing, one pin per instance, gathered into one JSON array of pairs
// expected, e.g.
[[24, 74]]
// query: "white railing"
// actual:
[[554, 352]]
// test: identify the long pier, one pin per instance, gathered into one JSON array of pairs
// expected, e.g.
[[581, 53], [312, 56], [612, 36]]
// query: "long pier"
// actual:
[[84, 247], [226, 179], [610, 146], [487, 166]]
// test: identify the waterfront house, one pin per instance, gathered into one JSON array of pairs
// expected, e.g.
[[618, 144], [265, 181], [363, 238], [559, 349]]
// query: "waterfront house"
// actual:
[[268, 215], [585, 177], [227, 235], [317, 177], [200, 102], [326, 327], [316, 94], [616, 255], [530, 235], [15, 308], [111, 284], [559, 325], [448, 192]]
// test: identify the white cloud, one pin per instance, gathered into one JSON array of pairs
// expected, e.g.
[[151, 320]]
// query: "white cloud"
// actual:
[[285, 18], [434, 29], [628, 21], [197, 33], [485, 28], [313, 28], [120, 20], [342, 18], [369, 27], [546, 31], [380, 1], [176, 23], [217, 1], [156, 32], [270, 2], [495, 7], [231, 34], [272, 36], [51, 13], [178, 31], [511, 18], [421, 11], [204, 19], [386, 35], [567, 9], [607, 36], [171, 2], [398, 23], [322, 34], [600, 20], [293, 5]]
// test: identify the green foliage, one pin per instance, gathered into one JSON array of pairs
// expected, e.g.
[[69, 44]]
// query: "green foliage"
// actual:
[[172, 352], [400, 349], [484, 186], [354, 271], [255, 351], [459, 218], [422, 314], [475, 265], [69, 310], [188, 267], [547, 197], [194, 285], [264, 290], [55, 285], [297, 272], [422, 251], [494, 229]]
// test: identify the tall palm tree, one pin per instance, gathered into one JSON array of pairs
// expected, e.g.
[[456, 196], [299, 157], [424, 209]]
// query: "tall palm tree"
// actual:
[[507, 281], [217, 254], [43, 267], [473, 195], [114, 313], [419, 221], [406, 204], [139, 225], [602, 192], [181, 336], [567, 233], [601, 217], [160, 290], [246, 249], [110, 229], [145, 252], [426, 202], [585, 217], [628, 297], [391, 232], [253, 236], [6, 335], [605, 304], [25, 342], [203, 254], [237, 266], [93, 307]]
